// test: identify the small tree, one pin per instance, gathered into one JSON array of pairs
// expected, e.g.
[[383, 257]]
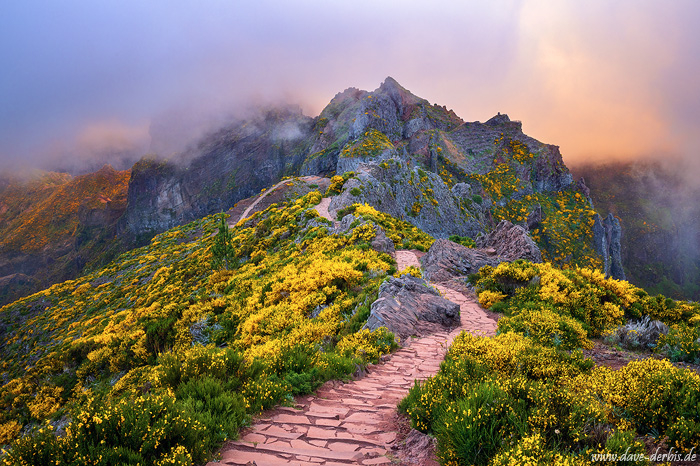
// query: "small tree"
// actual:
[[223, 251]]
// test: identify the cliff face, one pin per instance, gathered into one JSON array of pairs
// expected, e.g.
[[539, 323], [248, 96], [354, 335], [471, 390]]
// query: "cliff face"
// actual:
[[232, 164]]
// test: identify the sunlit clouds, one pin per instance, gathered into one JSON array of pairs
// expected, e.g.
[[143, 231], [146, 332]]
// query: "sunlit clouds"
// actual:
[[600, 79]]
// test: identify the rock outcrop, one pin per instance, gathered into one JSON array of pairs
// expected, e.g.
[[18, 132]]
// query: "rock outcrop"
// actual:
[[511, 242], [380, 242], [446, 260], [607, 235], [232, 164], [406, 302], [411, 194]]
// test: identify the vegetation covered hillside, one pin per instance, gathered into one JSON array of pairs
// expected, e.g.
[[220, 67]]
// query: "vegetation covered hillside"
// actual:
[[529, 396], [53, 225], [159, 357]]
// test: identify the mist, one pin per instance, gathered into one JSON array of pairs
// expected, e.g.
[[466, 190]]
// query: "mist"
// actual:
[[86, 83]]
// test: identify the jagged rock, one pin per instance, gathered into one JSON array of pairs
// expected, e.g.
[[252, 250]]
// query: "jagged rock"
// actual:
[[581, 186], [613, 232], [380, 243], [606, 242], [396, 189], [511, 242], [534, 218], [405, 302], [345, 224], [446, 260], [462, 190]]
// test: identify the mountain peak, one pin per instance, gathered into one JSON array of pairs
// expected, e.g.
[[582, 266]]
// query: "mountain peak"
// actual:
[[498, 119], [392, 87]]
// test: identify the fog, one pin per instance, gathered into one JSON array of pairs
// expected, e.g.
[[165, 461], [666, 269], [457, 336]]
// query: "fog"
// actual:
[[88, 82]]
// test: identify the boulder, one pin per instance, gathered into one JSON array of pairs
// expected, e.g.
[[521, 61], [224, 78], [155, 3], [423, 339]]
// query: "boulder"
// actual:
[[511, 242], [446, 260], [406, 302], [462, 190], [381, 243]]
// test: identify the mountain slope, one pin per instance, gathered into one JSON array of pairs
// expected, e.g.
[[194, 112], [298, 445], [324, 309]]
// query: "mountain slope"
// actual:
[[53, 225]]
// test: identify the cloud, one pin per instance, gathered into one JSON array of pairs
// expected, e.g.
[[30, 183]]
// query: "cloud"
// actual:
[[601, 79], [99, 143]]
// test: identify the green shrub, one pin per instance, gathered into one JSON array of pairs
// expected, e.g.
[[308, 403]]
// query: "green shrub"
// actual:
[[472, 428], [682, 343], [149, 429], [221, 411], [547, 328], [623, 442], [41, 448], [463, 240]]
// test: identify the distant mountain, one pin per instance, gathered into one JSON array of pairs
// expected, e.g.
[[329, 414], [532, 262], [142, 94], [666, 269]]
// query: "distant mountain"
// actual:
[[413, 160], [53, 225], [660, 217]]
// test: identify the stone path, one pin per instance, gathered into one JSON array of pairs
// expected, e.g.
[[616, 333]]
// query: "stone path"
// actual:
[[406, 259], [353, 423], [322, 209], [347, 423]]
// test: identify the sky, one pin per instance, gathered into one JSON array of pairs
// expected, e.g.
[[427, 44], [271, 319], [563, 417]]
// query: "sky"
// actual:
[[604, 80]]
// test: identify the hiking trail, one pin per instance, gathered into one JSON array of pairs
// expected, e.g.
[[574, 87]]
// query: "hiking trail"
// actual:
[[354, 422]]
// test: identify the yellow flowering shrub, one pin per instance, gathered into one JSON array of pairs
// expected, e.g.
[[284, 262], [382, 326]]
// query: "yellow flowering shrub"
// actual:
[[565, 235], [508, 400], [370, 144], [598, 303], [8, 431], [410, 270], [650, 395], [367, 345], [682, 343], [547, 328], [48, 401], [156, 318], [533, 450], [403, 234], [488, 298], [364, 232], [336, 185]]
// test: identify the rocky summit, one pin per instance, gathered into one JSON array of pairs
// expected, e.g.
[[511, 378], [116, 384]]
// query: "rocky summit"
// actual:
[[408, 158]]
